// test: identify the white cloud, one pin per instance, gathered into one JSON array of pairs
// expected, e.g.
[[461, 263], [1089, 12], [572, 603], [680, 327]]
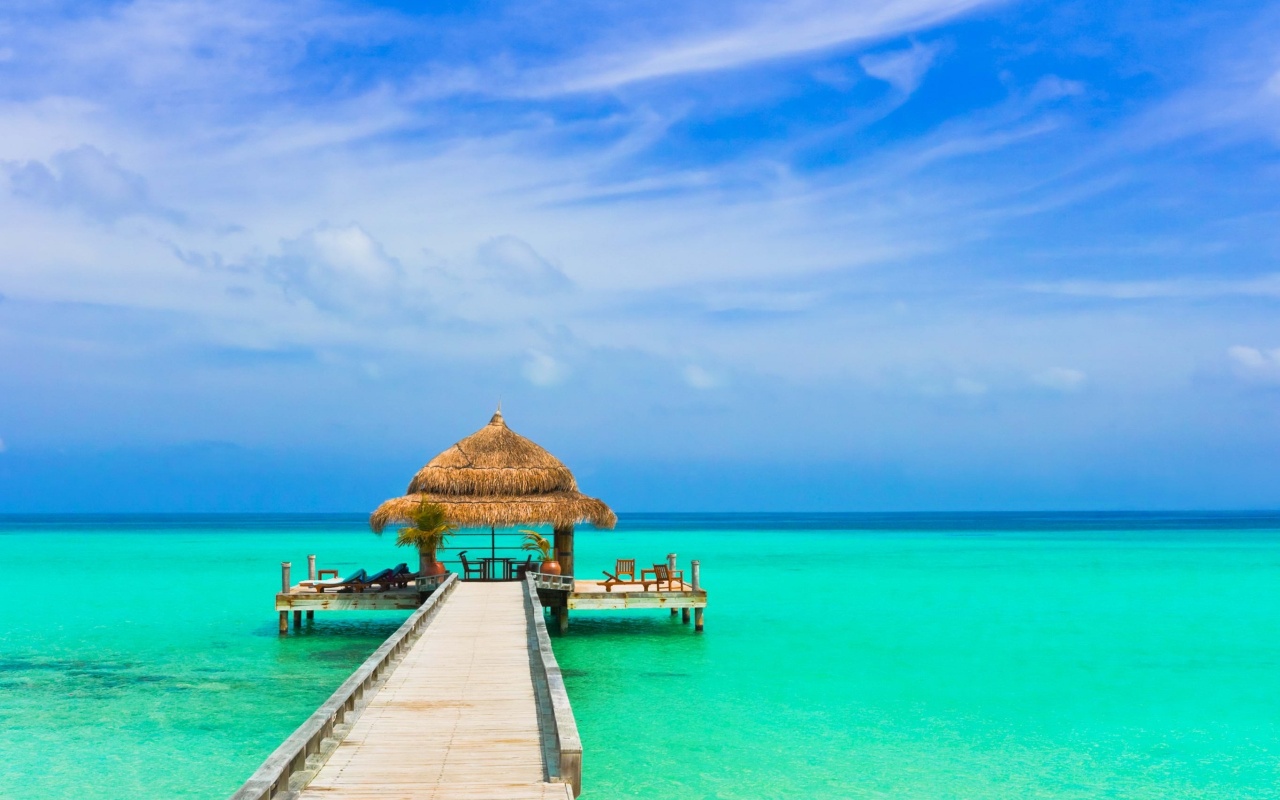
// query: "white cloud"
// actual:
[[1254, 364], [513, 263], [1273, 85], [337, 267], [1052, 87], [969, 387], [1060, 379], [901, 69], [543, 370], [781, 30], [699, 378], [86, 179], [1176, 288]]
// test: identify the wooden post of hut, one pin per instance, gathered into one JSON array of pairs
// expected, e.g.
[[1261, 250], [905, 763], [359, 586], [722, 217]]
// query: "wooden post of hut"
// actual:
[[562, 539]]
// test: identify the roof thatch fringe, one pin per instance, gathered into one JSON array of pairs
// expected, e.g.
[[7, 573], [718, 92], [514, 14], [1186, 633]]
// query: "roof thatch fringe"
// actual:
[[558, 509], [496, 477]]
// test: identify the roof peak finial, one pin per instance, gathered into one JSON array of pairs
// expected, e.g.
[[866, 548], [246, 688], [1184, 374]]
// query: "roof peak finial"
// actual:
[[496, 419]]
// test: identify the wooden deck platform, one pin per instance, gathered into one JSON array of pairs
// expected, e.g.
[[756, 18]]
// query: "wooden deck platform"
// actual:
[[457, 719], [586, 595]]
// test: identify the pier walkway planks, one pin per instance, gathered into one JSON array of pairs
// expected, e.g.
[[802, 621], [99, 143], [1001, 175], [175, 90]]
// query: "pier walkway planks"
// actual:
[[457, 719]]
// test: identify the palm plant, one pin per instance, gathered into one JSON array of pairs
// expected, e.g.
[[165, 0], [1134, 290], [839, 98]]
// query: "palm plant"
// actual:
[[430, 530], [536, 542]]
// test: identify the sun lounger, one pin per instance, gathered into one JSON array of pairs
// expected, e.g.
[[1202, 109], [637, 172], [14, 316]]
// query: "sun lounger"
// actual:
[[400, 577], [335, 583], [361, 584]]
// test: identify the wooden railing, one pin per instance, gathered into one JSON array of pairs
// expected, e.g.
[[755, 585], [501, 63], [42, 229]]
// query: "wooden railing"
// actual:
[[272, 778], [555, 715], [562, 583]]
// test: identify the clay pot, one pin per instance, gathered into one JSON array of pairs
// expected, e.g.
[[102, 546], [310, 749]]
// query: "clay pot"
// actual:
[[429, 567], [550, 568]]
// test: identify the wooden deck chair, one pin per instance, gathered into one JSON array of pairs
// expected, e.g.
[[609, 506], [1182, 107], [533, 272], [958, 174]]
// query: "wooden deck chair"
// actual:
[[662, 574], [468, 568], [624, 566], [524, 569]]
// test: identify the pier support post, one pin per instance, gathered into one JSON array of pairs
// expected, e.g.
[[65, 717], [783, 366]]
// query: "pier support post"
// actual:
[[671, 565], [297, 619], [561, 614], [311, 576], [695, 569], [684, 616], [285, 566]]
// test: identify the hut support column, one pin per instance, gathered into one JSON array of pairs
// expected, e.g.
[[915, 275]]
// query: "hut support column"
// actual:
[[684, 616], [563, 542], [284, 621], [297, 619], [562, 618]]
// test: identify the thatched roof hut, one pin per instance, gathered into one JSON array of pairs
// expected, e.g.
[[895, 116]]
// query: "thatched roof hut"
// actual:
[[496, 477]]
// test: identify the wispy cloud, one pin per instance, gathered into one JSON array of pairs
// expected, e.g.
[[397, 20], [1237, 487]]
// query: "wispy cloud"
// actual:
[[1266, 286], [1060, 379], [767, 32], [901, 69], [542, 369], [1255, 364]]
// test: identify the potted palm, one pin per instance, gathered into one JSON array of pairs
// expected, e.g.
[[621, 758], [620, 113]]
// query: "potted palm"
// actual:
[[538, 543], [429, 532]]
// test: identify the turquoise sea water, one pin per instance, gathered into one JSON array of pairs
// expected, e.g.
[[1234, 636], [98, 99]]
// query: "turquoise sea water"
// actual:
[[867, 657]]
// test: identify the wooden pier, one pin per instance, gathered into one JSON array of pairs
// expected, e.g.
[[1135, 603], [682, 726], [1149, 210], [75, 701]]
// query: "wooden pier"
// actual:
[[464, 701]]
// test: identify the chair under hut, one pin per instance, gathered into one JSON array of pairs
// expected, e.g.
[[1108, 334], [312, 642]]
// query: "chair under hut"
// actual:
[[496, 478]]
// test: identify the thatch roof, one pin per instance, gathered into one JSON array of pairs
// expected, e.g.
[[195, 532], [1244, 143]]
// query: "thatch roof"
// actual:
[[495, 476]]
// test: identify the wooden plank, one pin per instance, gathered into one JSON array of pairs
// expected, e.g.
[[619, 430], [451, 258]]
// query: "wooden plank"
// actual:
[[621, 600], [458, 718], [353, 601], [272, 778]]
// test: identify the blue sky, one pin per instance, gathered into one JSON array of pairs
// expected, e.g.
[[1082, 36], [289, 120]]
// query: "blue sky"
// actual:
[[929, 254]]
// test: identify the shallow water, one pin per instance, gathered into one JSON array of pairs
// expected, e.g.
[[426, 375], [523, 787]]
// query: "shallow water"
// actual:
[[965, 657]]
